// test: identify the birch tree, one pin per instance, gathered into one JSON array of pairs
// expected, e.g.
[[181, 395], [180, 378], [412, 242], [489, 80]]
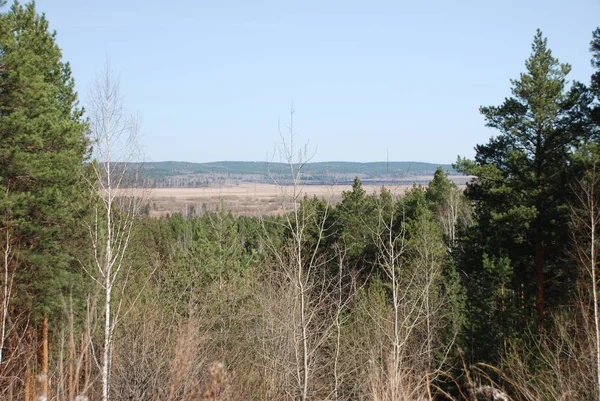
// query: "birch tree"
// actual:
[[586, 214], [410, 258], [302, 303], [113, 133], [7, 284]]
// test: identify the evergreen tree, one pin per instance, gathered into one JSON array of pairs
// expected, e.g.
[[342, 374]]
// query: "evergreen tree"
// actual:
[[42, 152], [352, 216], [520, 191], [350, 213], [438, 190]]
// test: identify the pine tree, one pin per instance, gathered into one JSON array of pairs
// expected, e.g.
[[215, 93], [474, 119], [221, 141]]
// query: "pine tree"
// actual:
[[42, 154], [521, 187]]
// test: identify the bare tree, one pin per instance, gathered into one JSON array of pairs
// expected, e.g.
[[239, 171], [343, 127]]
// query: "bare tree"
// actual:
[[15, 347], [451, 213], [587, 219], [7, 281], [408, 354], [301, 305], [114, 135]]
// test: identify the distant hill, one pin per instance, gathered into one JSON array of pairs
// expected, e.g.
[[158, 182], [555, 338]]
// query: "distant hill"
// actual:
[[371, 169], [187, 174]]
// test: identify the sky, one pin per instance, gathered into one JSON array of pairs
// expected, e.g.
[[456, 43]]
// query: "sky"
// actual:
[[369, 80]]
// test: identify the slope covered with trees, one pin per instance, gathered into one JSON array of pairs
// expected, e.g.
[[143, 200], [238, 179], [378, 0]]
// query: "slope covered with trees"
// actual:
[[487, 293]]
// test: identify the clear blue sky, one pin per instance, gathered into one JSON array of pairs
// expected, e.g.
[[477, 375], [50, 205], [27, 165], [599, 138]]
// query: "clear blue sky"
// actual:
[[210, 79]]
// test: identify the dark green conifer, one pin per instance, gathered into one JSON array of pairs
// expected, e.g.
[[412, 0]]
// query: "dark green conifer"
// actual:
[[520, 193], [42, 152]]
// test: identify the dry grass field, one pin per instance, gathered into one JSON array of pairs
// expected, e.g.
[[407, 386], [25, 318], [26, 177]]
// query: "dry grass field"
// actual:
[[245, 198], [258, 198]]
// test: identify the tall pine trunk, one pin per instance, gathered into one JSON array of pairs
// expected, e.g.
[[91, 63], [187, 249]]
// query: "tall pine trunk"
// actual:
[[539, 280], [539, 241]]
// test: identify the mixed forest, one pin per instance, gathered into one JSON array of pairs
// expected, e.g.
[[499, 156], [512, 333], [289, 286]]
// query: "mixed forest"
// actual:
[[488, 292], [190, 175]]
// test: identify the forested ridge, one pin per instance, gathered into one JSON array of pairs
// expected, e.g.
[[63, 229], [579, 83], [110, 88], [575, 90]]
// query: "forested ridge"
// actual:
[[488, 292], [185, 174]]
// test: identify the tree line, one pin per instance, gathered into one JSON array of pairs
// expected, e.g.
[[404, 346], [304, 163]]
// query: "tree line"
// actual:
[[490, 292]]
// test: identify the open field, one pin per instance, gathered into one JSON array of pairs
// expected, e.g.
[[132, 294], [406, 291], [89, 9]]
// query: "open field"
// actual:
[[248, 198], [245, 198]]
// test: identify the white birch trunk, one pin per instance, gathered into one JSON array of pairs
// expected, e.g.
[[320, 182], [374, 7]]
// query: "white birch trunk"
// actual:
[[114, 134]]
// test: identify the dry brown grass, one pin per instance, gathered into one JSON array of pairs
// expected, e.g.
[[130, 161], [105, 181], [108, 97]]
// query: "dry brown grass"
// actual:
[[245, 198]]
